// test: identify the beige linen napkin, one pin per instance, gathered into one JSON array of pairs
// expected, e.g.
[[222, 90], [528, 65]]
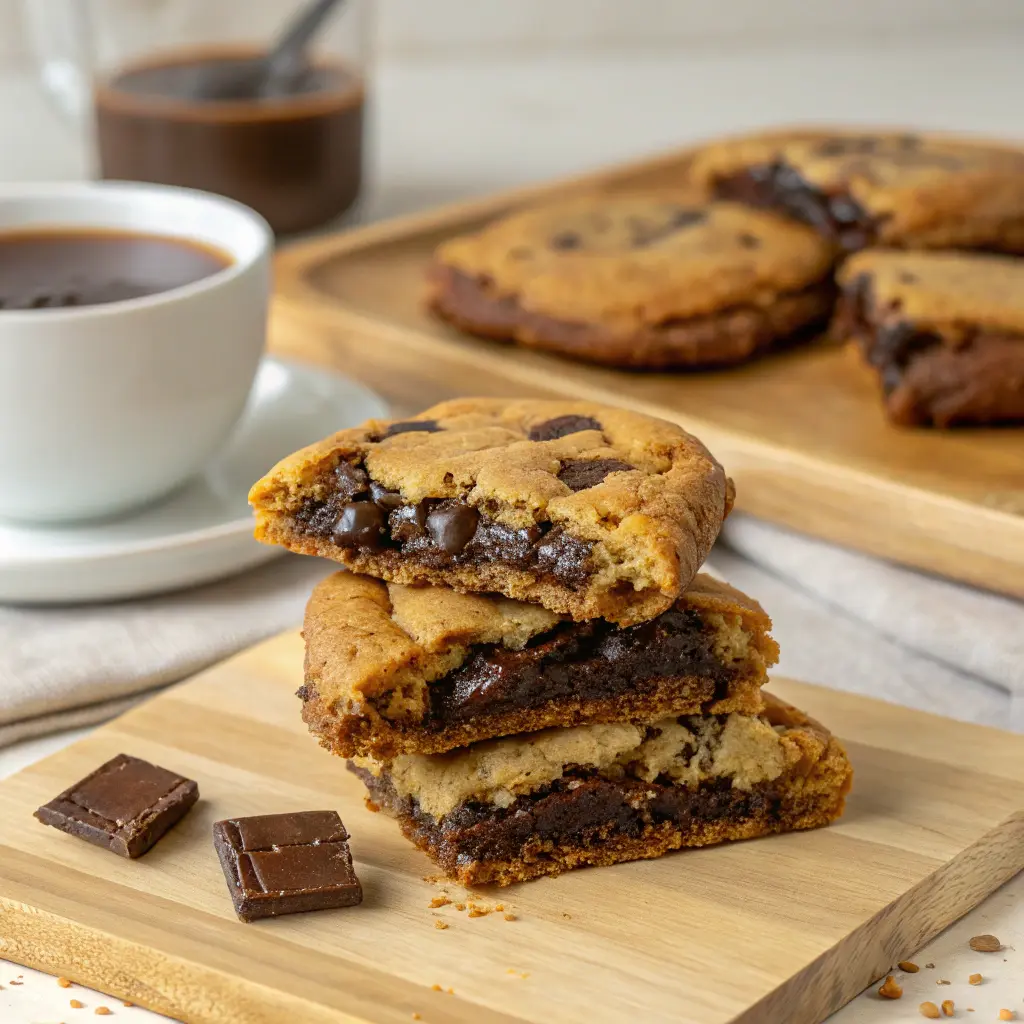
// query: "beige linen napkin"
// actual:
[[843, 619]]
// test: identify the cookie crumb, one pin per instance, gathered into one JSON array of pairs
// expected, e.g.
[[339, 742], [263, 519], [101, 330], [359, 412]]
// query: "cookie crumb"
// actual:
[[948, 1008], [930, 966], [929, 1010], [566, 916], [889, 989], [460, 906], [370, 805], [450, 991], [942, 981], [126, 1003], [499, 907], [440, 925], [510, 917], [478, 911], [64, 983], [974, 979], [102, 1011], [439, 901], [985, 944], [416, 1016], [518, 974], [437, 988], [14, 981], [76, 1005], [1007, 1014], [909, 966]]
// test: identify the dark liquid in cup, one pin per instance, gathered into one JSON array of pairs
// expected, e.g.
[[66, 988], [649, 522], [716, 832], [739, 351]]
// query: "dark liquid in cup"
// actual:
[[296, 156], [58, 268]]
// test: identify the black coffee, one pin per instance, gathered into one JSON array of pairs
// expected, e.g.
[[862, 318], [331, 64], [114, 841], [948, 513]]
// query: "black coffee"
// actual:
[[53, 268]]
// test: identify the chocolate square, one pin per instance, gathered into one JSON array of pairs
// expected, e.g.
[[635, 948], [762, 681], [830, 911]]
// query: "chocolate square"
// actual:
[[286, 863], [126, 805]]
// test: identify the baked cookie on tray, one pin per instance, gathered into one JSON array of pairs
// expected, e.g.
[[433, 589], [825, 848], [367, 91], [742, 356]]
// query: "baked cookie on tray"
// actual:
[[507, 810], [392, 669], [943, 331], [636, 281], [590, 511], [865, 188]]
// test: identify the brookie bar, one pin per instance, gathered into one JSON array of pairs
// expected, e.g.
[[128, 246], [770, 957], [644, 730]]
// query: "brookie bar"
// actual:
[[589, 511], [508, 810], [394, 669]]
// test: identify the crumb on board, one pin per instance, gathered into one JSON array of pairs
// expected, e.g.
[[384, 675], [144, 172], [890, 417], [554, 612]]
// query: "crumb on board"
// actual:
[[499, 907], [64, 982], [76, 1004], [460, 906], [518, 974], [566, 916], [942, 981], [948, 1008], [370, 805], [475, 911], [102, 1011], [439, 901], [439, 924], [1007, 1014], [930, 967], [889, 989], [416, 1016], [126, 1003], [975, 979], [929, 1010], [450, 991], [984, 944], [909, 966], [436, 987], [510, 917], [14, 981]]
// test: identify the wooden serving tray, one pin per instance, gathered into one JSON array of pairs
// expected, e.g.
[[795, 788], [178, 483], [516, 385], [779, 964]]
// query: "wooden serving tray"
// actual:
[[781, 929], [802, 433]]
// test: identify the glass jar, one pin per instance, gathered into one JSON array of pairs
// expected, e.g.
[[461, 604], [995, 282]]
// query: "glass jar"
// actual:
[[182, 92]]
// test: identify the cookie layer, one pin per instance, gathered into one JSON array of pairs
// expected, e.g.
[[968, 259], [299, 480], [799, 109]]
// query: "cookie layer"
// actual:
[[510, 810], [648, 282], [587, 510], [394, 669], [943, 332], [859, 189]]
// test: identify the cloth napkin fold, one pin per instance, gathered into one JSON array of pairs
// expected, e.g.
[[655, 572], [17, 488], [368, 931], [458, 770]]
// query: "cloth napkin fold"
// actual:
[[843, 619]]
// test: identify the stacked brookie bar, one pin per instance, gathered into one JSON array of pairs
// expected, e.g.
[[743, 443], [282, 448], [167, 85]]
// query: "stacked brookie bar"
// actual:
[[544, 680]]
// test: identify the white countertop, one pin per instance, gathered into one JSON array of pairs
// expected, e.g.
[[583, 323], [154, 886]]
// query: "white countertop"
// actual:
[[463, 127]]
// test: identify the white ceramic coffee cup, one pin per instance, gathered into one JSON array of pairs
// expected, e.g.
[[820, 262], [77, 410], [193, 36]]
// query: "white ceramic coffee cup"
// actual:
[[104, 408]]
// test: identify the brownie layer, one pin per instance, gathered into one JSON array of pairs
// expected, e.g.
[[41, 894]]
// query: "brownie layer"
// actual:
[[438, 534], [779, 187], [582, 820], [973, 378], [731, 336], [431, 693]]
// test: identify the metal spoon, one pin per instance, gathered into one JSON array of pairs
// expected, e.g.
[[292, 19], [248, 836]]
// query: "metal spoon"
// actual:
[[275, 71]]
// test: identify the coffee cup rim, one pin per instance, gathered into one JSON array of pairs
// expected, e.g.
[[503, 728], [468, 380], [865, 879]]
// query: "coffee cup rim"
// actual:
[[139, 190]]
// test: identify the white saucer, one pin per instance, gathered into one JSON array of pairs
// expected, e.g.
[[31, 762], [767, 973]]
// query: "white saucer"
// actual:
[[201, 532]]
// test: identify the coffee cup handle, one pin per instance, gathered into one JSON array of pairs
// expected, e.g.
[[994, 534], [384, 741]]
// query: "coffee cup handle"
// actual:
[[59, 33]]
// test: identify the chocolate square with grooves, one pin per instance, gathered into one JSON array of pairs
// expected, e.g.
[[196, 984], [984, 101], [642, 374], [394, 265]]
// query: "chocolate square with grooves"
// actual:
[[125, 806], [286, 863]]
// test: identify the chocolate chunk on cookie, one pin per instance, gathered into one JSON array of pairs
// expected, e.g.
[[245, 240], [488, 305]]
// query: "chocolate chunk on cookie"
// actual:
[[508, 810], [648, 281], [943, 332], [585, 509], [859, 189], [392, 669]]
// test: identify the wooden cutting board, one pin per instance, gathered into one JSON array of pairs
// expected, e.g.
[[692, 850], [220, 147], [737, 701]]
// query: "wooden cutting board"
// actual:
[[802, 433], [781, 929]]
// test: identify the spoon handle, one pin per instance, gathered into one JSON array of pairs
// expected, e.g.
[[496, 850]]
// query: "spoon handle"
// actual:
[[293, 42]]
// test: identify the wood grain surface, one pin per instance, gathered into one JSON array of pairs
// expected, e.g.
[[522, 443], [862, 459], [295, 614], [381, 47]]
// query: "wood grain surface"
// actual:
[[781, 929], [801, 432]]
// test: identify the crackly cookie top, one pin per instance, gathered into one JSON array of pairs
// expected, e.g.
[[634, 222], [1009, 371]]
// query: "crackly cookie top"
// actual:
[[634, 260], [941, 290], [644, 488], [688, 750], [365, 638], [907, 182]]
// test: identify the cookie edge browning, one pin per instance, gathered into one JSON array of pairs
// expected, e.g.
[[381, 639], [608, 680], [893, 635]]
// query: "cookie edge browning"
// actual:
[[731, 337], [366, 732], [977, 209], [816, 792], [682, 538]]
